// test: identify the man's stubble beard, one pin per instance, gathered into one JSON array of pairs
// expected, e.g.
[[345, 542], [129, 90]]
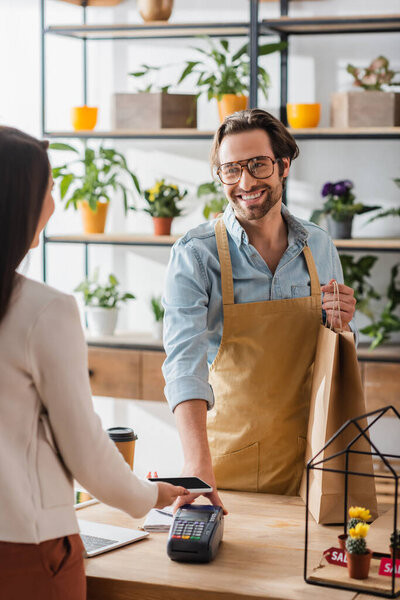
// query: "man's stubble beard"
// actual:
[[253, 213]]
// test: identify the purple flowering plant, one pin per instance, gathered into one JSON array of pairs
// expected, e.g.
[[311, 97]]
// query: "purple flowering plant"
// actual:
[[340, 202]]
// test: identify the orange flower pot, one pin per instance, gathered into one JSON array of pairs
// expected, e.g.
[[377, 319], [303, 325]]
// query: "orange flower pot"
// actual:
[[342, 541], [84, 118], [94, 221], [162, 225], [303, 115], [358, 564], [231, 103]]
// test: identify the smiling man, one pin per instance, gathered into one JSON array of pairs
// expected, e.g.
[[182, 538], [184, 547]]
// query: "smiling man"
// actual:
[[242, 311]]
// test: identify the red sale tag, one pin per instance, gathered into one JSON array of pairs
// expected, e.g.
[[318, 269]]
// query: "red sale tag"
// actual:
[[336, 556], [386, 567]]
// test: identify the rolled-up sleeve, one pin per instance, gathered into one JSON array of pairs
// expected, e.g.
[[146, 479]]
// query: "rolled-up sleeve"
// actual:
[[185, 300], [338, 275]]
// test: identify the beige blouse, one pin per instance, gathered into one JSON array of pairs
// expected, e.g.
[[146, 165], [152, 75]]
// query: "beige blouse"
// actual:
[[49, 432]]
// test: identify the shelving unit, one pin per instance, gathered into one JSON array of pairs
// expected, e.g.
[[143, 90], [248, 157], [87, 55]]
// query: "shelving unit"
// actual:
[[284, 27]]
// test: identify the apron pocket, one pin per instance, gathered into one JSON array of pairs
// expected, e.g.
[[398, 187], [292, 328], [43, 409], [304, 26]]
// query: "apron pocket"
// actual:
[[238, 470]]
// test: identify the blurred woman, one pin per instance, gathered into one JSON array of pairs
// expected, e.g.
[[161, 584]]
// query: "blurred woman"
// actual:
[[49, 432]]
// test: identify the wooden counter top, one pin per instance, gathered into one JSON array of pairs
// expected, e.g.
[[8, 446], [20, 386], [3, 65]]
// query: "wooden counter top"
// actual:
[[260, 557]]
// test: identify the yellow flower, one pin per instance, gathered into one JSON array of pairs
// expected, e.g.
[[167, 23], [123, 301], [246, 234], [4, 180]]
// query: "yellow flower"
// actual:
[[151, 196], [359, 531], [174, 187], [359, 512]]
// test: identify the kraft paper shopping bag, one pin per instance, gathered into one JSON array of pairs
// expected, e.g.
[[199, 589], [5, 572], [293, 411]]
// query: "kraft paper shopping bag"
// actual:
[[336, 397]]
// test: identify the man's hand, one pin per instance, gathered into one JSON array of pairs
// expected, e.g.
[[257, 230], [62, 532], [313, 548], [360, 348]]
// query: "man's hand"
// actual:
[[206, 475], [347, 304]]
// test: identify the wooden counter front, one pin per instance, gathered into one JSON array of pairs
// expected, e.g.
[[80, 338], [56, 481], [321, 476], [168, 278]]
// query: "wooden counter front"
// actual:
[[261, 557]]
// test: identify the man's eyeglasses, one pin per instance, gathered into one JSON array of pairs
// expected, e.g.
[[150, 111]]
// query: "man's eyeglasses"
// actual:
[[260, 167]]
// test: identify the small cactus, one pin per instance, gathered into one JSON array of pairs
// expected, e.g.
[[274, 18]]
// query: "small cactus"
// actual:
[[351, 523], [356, 543], [395, 539]]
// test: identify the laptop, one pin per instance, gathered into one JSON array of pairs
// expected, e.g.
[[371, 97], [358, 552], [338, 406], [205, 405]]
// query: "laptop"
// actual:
[[98, 538]]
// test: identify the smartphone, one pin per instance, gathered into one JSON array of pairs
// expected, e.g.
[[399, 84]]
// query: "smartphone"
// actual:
[[192, 484]]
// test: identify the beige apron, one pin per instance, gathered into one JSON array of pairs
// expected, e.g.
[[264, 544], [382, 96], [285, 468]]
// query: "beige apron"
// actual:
[[261, 379]]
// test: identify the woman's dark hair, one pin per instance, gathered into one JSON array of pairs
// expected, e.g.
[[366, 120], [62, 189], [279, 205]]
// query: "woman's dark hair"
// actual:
[[24, 176], [283, 144]]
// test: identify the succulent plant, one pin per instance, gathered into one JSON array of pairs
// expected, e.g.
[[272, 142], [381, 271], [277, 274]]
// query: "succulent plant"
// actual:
[[356, 542], [395, 539], [351, 523], [356, 545]]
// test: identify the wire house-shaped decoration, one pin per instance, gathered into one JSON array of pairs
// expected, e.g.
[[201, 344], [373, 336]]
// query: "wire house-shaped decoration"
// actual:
[[375, 585]]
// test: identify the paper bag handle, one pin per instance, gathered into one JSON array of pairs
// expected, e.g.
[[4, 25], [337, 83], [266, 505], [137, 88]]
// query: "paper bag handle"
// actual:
[[336, 306]]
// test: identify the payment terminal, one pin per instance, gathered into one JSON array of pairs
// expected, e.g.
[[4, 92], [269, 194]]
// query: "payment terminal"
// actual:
[[195, 533]]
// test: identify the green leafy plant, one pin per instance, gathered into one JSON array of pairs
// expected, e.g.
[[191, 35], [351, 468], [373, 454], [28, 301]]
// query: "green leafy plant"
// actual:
[[215, 199], [374, 77], [340, 203], [162, 199], [390, 212], [103, 296], [158, 309], [388, 321], [150, 73], [219, 71], [355, 273], [92, 176]]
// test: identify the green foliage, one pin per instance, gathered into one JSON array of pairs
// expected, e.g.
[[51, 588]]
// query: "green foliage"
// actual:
[[101, 173], [395, 539], [158, 309], [218, 71], [216, 201], [374, 77], [356, 545], [390, 212], [388, 322], [162, 199], [104, 296], [355, 274], [151, 73]]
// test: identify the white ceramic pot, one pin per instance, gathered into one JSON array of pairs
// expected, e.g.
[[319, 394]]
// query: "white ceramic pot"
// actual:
[[101, 321], [158, 330]]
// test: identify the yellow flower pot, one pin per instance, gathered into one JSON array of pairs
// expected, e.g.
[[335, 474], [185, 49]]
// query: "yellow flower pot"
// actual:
[[303, 115], [93, 221], [84, 117], [231, 103]]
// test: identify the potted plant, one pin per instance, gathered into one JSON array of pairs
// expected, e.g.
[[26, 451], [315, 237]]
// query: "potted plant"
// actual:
[[162, 201], [102, 303], [372, 107], [357, 553], [357, 514], [215, 199], [152, 106], [158, 313], [388, 322], [225, 76], [340, 208], [395, 544], [88, 181], [355, 274]]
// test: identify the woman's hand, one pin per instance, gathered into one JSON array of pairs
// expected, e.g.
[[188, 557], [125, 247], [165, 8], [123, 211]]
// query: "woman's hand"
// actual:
[[167, 494], [347, 304]]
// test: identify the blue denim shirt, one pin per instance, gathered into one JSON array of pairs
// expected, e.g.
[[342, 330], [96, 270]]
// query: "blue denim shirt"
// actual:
[[193, 319]]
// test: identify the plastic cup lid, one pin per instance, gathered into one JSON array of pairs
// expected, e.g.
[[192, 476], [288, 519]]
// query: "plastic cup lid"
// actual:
[[121, 434]]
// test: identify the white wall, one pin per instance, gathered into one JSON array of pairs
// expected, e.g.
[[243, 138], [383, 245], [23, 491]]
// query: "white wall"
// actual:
[[317, 68]]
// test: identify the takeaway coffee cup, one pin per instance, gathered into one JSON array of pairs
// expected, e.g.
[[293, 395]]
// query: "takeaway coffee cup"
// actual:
[[124, 438]]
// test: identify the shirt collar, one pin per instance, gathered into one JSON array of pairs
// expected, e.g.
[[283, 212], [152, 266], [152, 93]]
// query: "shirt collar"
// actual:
[[297, 233]]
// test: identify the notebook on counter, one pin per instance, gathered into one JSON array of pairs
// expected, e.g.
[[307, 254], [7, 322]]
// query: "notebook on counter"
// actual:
[[159, 520], [98, 537]]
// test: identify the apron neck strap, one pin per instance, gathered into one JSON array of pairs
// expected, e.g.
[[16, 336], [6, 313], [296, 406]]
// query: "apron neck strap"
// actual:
[[312, 271], [225, 262]]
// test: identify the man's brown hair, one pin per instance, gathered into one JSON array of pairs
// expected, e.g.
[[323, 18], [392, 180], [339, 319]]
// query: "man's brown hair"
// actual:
[[283, 144]]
